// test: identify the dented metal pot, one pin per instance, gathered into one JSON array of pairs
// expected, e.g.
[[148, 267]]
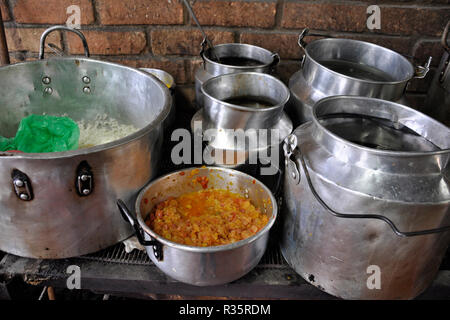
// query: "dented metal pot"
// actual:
[[367, 187]]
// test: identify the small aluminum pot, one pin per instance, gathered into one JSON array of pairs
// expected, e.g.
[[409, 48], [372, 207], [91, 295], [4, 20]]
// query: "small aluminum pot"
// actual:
[[235, 51], [246, 85], [202, 266]]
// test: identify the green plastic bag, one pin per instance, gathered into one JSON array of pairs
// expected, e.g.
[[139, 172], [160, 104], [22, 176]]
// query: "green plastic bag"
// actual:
[[43, 133], [7, 144]]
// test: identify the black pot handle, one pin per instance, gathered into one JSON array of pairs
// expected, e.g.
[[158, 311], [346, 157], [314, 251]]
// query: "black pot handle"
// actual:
[[291, 146], [132, 220]]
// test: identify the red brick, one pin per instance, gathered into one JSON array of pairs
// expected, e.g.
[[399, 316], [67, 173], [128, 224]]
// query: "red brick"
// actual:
[[406, 20], [51, 11], [325, 16], [5, 11], [185, 42], [26, 39], [175, 67], [123, 12], [426, 48], [286, 69], [236, 13], [283, 44], [193, 65], [409, 20], [109, 42], [20, 57]]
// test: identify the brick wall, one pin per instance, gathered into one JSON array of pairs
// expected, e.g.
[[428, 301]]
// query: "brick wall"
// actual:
[[160, 33]]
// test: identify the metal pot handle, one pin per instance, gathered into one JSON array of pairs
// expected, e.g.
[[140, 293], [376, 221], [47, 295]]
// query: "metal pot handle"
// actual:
[[50, 30], [290, 145], [276, 60], [132, 220], [421, 71]]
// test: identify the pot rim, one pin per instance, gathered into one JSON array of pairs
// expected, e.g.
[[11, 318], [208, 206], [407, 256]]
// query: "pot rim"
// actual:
[[365, 44], [380, 152], [243, 108], [210, 249], [198, 116], [99, 148], [265, 65]]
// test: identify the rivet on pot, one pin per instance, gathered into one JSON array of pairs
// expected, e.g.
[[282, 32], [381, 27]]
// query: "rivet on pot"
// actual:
[[87, 90], [86, 79], [18, 183], [46, 80], [23, 196], [48, 90], [86, 191]]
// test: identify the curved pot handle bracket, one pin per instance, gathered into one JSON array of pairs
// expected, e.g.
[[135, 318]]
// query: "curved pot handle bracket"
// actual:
[[289, 142], [276, 60], [50, 30], [421, 71], [132, 220]]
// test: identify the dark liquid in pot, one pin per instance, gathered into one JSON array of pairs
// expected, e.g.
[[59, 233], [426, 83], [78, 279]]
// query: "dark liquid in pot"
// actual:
[[377, 133], [357, 70], [252, 102], [240, 62]]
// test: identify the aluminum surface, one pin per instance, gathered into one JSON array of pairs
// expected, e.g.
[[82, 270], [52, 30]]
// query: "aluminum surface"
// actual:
[[211, 68], [333, 67], [229, 115], [207, 265], [58, 223], [395, 164]]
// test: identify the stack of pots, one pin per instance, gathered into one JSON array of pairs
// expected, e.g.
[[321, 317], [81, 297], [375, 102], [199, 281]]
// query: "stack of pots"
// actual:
[[240, 71], [332, 67], [388, 164], [234, 58]]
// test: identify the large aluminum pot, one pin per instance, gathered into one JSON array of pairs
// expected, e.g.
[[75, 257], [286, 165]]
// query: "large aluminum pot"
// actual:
[[202, 266], [234, 58], [437, 103], [58, 205], [332, 67], [367, 199]]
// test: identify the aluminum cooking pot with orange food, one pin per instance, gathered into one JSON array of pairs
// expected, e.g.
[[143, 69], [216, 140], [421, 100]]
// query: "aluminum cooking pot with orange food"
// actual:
[[202, 265]]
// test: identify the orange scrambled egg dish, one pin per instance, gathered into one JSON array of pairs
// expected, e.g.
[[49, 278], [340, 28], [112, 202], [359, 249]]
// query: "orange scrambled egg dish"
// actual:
[[206, 218]]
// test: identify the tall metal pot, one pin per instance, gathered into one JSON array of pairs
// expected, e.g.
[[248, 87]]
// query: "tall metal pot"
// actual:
[[63, 204], [333, 66], [367, 199]]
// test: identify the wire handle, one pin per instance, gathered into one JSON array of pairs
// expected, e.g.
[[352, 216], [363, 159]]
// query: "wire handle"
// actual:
[[290, 140], [50, 30]]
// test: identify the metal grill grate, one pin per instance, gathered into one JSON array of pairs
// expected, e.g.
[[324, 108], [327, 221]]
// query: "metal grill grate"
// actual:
[[117, 254]]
